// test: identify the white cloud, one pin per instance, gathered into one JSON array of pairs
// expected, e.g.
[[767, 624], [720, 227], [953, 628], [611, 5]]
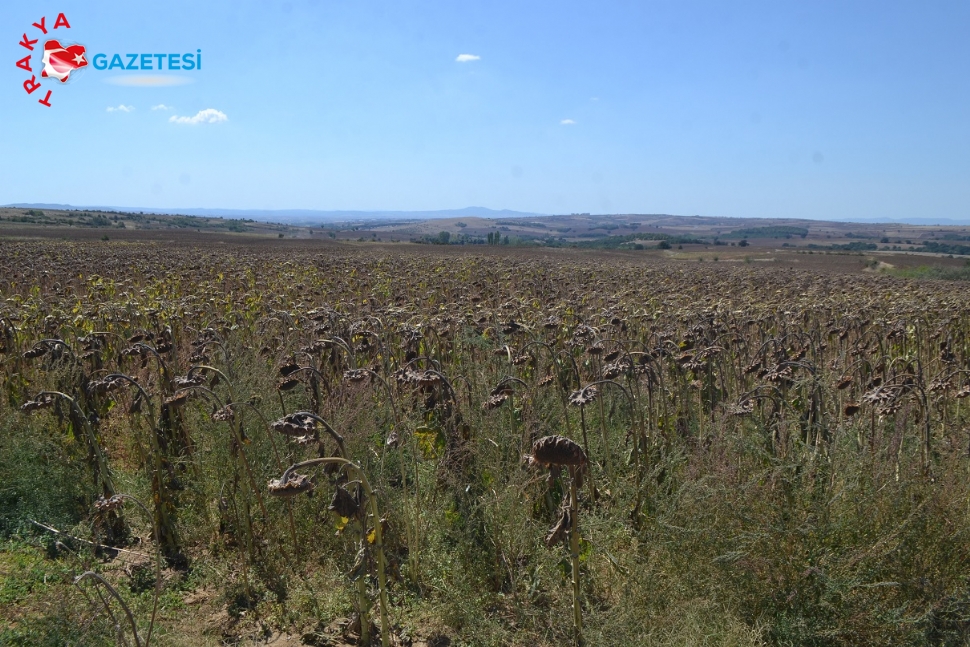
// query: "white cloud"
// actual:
[[567, 122], [207, 116], [162, 106], [121, 108], [464, 58]]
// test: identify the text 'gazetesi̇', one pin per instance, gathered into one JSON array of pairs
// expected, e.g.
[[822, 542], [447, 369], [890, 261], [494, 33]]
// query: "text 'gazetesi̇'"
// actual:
[[188, 61]]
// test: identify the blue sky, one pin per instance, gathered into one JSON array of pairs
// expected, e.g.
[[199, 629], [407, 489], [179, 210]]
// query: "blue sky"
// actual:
[[759, 109]]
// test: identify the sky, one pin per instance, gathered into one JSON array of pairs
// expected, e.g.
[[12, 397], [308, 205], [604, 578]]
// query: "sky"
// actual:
[[817, 109]]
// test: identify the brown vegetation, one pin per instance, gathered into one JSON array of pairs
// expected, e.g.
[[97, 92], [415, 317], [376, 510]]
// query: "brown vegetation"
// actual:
[[774, 456]]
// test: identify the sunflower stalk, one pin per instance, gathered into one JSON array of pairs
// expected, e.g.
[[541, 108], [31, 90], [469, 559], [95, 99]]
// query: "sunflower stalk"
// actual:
[[290, 483]]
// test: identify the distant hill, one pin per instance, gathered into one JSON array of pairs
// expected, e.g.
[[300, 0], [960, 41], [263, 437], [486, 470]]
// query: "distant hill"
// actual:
[[317, 216], [482, 226], [298, 216]]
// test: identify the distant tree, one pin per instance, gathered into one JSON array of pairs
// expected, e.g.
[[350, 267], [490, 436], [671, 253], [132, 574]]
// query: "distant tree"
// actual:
[[443, 238], [743, 242], [663, 244]]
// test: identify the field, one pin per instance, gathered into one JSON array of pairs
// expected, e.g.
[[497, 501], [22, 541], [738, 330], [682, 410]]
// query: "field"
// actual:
[[768, 444]]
